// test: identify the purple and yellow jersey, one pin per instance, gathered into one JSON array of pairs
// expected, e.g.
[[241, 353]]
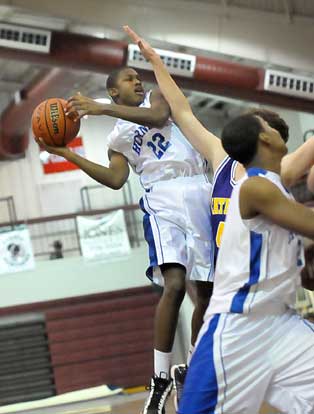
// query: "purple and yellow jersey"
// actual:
[[223, 184]]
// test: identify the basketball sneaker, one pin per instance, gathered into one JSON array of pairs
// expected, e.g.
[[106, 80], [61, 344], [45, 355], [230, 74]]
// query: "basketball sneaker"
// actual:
[[178, 374], [160, 390]]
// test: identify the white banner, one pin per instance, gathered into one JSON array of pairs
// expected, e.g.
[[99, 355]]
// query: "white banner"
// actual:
[[16, 252], [105, 237]]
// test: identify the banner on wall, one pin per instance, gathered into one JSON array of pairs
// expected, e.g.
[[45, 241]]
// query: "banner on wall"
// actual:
[[16, 252], [54, 163], [104, 238]]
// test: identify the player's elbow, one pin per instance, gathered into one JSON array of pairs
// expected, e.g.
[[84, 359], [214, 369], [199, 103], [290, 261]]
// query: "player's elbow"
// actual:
[[117, 184], [159, 123], [159, 118], [288, 177]]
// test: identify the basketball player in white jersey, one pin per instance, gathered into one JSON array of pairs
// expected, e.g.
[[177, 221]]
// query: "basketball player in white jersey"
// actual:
[[175, 205], [253, 345]]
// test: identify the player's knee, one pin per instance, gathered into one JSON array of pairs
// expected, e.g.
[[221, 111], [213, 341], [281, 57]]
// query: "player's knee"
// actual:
[[175, 288]]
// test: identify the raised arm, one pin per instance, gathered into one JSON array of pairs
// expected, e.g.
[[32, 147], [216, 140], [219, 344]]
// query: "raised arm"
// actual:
[[155, 116], [260, 196], [114, 176], [203, 140], [297, 164]]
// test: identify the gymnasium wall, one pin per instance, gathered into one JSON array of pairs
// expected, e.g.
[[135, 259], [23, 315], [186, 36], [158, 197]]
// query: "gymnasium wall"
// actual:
[[57, 279], [69, 325]]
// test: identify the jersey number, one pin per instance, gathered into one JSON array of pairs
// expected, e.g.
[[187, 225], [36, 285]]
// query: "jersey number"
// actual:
[[159, 145], [220, 230]]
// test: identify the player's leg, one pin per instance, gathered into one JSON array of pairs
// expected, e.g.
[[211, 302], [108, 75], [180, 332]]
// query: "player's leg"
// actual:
[[229, 372], [199, 270], [204, 291], [166, 318], [291, 390], [167, 310]]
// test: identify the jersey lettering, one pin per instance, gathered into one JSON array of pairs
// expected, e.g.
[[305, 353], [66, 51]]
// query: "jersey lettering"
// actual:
[[220, 205], [138, 139]]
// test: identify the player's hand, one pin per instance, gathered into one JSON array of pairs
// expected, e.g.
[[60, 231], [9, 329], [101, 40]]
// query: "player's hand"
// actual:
[[79, 105], [307, 273], [147, 51], [61, 151]]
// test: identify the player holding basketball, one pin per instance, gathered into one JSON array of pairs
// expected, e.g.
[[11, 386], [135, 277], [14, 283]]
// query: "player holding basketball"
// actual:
[[176, 228], [226, 170]]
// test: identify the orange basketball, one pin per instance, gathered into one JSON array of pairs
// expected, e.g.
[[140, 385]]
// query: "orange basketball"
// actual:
[[50, 122]]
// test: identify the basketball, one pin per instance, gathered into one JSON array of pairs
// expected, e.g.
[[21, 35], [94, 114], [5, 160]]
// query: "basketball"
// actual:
[[50, 122]]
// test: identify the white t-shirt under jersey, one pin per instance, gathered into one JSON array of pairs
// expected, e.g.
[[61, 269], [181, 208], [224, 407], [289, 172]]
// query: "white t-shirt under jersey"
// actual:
[[155, 154], [258, 265]]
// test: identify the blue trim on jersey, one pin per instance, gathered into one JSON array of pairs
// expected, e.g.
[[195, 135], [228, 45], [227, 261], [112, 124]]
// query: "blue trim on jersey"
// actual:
[[200, 392], [251, 172], [149, 237], [220, 167], [256, 241]]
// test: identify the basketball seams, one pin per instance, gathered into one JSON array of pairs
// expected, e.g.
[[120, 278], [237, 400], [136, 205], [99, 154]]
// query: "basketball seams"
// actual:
[[45, 113]]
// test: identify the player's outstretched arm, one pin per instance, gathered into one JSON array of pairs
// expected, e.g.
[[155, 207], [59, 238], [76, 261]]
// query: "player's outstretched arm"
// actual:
[[298, 163], [203, 140], [155, 116], [260, 196], [114, 176]]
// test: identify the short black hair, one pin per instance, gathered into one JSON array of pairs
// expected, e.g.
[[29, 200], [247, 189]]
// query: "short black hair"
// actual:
[[112, 79], [273, 119], [113, 76], [240, 137]]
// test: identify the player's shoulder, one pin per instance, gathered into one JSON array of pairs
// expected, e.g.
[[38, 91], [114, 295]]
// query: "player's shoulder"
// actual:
[[258, 187]]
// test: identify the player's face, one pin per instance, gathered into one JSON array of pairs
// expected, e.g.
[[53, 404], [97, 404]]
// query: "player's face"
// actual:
[[130, 88], [275, 139]]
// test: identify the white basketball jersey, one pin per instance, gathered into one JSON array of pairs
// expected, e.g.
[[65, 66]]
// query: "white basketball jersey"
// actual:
[[258, 264], [156, 154]]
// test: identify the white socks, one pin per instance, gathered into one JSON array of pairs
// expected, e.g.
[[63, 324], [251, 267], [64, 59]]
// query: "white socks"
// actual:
[[190, 353], [162, 363]]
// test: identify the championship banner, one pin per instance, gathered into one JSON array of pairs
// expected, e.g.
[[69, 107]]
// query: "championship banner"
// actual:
[[16, 252], [54, 163], [104, 238]]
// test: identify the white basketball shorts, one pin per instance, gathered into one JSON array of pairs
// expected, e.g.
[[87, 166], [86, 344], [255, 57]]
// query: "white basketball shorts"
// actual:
[[177, 227], [242, 360]]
